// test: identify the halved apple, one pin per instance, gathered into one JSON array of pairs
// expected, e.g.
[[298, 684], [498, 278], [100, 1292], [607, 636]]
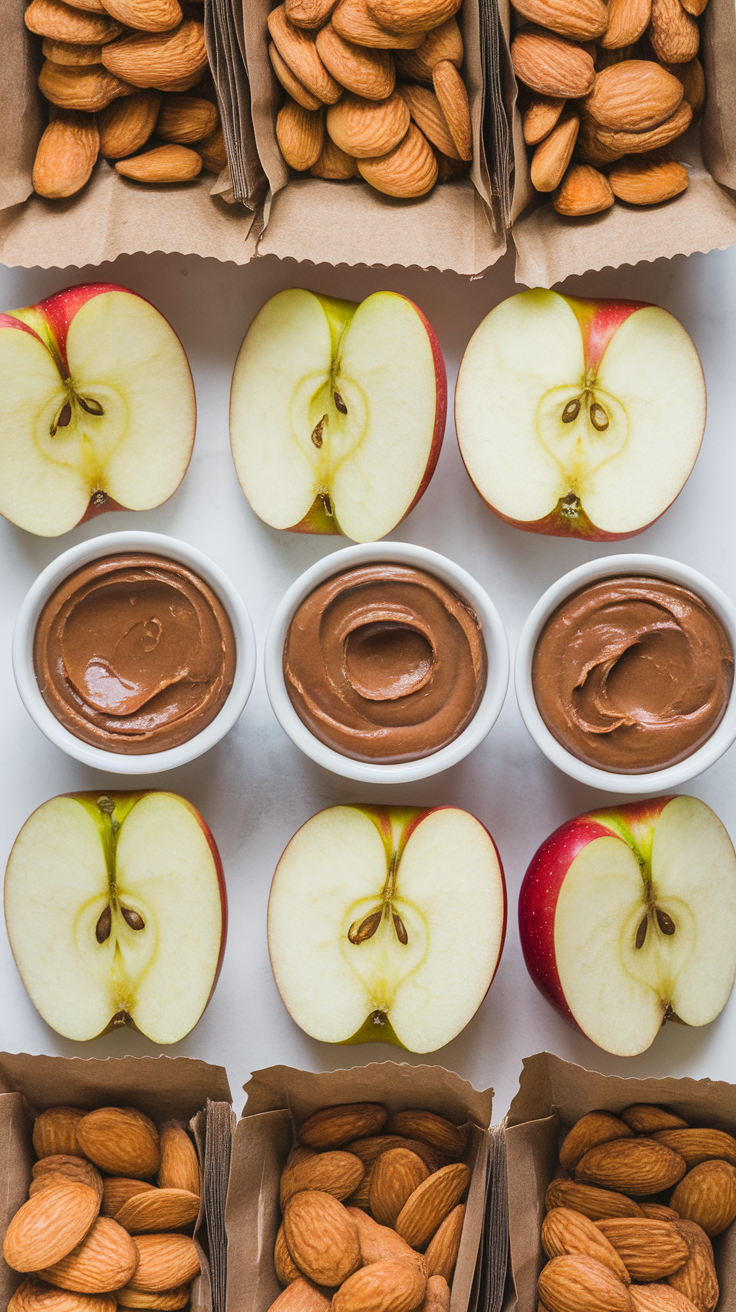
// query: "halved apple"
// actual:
[[98, 408], [116, 911], [337, 412], [387, 924], [579, 418], [627, 918]]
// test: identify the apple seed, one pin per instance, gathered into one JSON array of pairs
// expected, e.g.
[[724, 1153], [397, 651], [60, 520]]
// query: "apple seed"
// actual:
[[641, 932], [317, 431], [104, 925], [571, 411], [665, 922], [598, 417], [400, 928], [89, 404], [358, 933], [132, 918], [340, 404], [63, 418]]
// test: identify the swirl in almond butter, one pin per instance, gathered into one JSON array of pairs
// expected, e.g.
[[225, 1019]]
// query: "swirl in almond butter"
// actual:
[[633, 674]]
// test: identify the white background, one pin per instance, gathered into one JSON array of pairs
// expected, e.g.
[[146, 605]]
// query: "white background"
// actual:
[[255, 788]]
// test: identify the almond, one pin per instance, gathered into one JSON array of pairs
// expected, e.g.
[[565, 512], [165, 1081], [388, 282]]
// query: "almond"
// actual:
[[627, 21], [550, 64], [674, 33], [309, 13], [212, 151], [64, 23], [379, 1243], [50, 1225], [184, 119], [33, 1295], [158, 1209], [163, 60], [394, 1177], [443, 42], [367, 128], [659, 1298], [593, 1203], [694, 7], [453, 97], [105, 1259], [299, 50], [410, 169], [635, 143], [443, 1249], [125, 125], [437, 1297], [169, 1300], [291, 84], [322, 1237], [583, 190], [337, 1173], [633, 1166], [381, 1287], [634, 96], [71, 56], [351, 19], [431, 1129], [697, 1279], [650, 1249], [146, 15], [71, 1168], [604, 58], [707, 1196], [283, 1263], [424, 108], [121, 1141], [333, 163], [565, 1231], [87, 89], [539, 116], [162, 164], [164, 1262], [117, 1190], [696, 1146], [179, 1164], [658, 1212], [590, 148], [552, 157], [580, 1284], [65, 157], [300, 134], [583, 20], [648, 1117], [649, 179], [301, 1297], [412, 15], [592, 1129], [369, 73], [693, 82], [430, 1203], [371, 1148]]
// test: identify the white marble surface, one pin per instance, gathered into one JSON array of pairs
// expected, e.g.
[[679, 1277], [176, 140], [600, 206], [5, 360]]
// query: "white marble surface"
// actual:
[[255, 788]]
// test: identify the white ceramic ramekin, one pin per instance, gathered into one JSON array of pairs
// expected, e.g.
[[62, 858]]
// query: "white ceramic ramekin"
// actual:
[[654, 780], [494, 634], [112, 544]]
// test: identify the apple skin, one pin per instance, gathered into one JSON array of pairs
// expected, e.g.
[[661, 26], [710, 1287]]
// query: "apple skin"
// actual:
[[317, 518], [546, 873], [598, 320]]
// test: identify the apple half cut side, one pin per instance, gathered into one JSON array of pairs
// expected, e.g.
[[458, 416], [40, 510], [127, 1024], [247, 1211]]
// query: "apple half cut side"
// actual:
[[337, 412], [386, 924], [627, 918], [579, 418], [98, 408], [116, 911]]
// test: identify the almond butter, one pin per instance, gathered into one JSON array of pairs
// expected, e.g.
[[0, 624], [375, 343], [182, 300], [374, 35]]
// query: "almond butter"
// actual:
[[300, 134], [163, 164], [126, 124], [430, 1203], [551, 64], [659, 1298], [381, 1287], [412, 15], [580, 1284], [87, 89], [34, 1295], [634, 96], [443, 42], [116, 1190], [146, 15], [169, 61], [351, 19], [169, 1300], [367, 128], [674, 34], [635, 143], [212, 151], [121, 1141], [540, 115], [301, 1296], [627, 21], [65, 23], [50, 1225], [551, 158], [693, 82], [649, 179], [707, 1195], [583, 20], [334, 164], [298, 49], [565, 1231], [322, 1237], [444, 1247], [429, 1128], [697, 1279], [370, 1148], [658, 1212], [336, 1172], [379, 1243], [437, 1297], [158, 1209], [583, 190], [179, 1164], [453, 98], [648, 1117], [185, 119], [104, 1260], [593, 1203], [70, 55], [309, 13], [410, 169], [424, 108], [633, 1166], [60, 1164], [65, 157], [369, 73], [650, 1249], [164, 1262]]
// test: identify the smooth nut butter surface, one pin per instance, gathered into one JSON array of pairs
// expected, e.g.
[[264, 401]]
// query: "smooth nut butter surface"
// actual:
[[134, 653], [632, 674], [385, 663]]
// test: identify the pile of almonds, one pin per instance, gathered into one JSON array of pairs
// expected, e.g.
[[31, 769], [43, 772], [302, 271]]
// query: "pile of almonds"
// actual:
[[614, 1243], [608, 87], [372, 1216], [95, 1233], [115, 73], [347, 116]]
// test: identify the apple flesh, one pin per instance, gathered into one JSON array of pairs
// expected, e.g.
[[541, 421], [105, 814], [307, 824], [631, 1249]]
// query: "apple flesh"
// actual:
[[337, 412], [116, 912], [98, 408], [387, 924], [579, 418], [627, 918]]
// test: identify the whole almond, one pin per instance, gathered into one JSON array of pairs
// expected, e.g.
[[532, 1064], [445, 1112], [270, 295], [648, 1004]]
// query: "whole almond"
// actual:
[[351, 19], [648, 1117], [50, 1225], [658, 1212], [179, 1166], [649, 179], [565, 1231], [162, 164], [674, 34], [627, 21], [309, 13], [298, 48], [539, 116], [301, 1296], [693, 82], [184, 119], [70, 55], [696, 1146], [367, 128], [125, 125], [369, 73], [580, 1284], [551, 64], [635, 143], [146, 15], [635, 95], [697, 1279], [430, 1203], [86, 89], [34, 1295], [452, 94], [65, 23], [300, 134], [592, 1129], [694, 7], [334, 164], [424, 108], [431, 1129], [121, 1141], [583, 190], [158, 1209], [443, 1249], [160, 59], [283, 1263], [443, 42], [379, 1243], [593, 1203], [412, 15], [116, 1190], [591, 148], [659, 1298], [552, 157], [370, 1148], [291, 84], [322, 1237], [583, 20], [394, 1177], [104, 1260], [650, 1249], [71, 1168], [707, 1195], [212, 151], [633, 1166], [65, 157], [164, 1262], [437, 1297], [381, 1287], [169, 1300], [336, 1172]]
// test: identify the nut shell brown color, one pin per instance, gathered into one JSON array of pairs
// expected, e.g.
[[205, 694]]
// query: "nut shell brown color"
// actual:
[[163, 164], [65, 23], [379, 1243], [121, 1141], [443, 42], [583, 190], [126, 124], [695, 1146], [50, 1225], [334, 164], [540, 115], [452, 94], [298, 49], [658, 1212], [553, 155], [697, 1279], [592, 1129], [633, 1166], [565, 1231], [580, 1284], [65, 157], [34, 1295], [550, 64], [300, 134], [627, 21], [648, 180], [430, 1203], [648, 1117], [146, 15], [707, 1195], [582, 20], [634, 96], [410, 169], [116, 1190], [291, 84], [592, 1202], [70, 55], [169, 1300], [650, 1249], [184, 119], [179, 1164], [321, 1237], [87, 89], [394, 1178], [431, 1129], [309, 13], [351, 19], [301, 1296], [367, 128], [437, 1297], [659, 1298], [334, 1172], [48, 1169], [159, 59], [674, 34], [164, 1262], [444, 1247], [104, 1260], [693, 82], [381, 1287], [635, 143], [366, 72], [158, 1209], [424, 108], [212, 151], [412, 15], [283, 1263], [370, 1148]]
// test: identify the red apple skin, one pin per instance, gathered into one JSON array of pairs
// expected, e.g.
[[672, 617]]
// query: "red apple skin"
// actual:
[[546, 874], [598, 320], [317, 519]]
